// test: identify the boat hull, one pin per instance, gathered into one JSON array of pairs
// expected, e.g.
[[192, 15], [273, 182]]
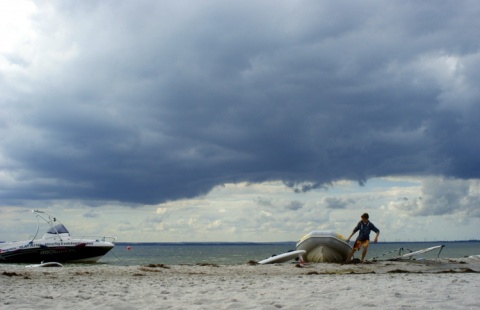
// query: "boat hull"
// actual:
[[324, 247], [61, 254]]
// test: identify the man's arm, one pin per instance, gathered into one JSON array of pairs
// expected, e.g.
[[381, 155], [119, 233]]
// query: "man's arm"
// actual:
[[357, 228], [348, 239], [377, 231]]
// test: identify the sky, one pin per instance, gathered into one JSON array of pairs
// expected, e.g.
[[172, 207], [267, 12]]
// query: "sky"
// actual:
[[168, 121]]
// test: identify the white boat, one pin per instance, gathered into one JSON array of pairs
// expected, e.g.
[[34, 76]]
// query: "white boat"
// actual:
[[423, 251], [282, 258], [50, 264], [57, 245], [324, 246], [412, 255]]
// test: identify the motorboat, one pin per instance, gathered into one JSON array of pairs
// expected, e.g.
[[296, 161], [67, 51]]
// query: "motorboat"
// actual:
[[324, 246], [56, 245]]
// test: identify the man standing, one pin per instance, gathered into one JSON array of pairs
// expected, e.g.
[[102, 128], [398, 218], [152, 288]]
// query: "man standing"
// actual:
[[364, 227]]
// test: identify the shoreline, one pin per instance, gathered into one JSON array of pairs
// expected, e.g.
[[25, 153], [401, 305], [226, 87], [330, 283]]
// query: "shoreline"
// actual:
[[441, 265], [438, 284]]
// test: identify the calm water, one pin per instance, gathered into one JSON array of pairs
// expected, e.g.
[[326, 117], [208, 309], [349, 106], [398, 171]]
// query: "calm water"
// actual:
[[234, 253]]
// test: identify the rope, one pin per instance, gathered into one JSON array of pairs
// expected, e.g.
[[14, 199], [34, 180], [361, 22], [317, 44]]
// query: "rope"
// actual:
[[400, 250]]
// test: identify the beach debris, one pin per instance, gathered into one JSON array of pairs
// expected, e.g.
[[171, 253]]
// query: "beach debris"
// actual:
[[153, 267], [139, 275], [398, 271], [354, 261], [460, 270], [157, 266], [11, 274], [207, 265]]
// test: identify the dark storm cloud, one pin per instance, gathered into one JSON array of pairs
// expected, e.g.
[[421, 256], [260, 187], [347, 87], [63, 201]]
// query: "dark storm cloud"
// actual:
[[152, 101]]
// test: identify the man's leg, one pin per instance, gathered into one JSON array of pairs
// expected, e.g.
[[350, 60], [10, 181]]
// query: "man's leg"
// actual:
[[364, 252], [350, 255]]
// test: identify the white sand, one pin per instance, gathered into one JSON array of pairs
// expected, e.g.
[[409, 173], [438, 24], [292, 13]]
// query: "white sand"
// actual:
[[443, 284]]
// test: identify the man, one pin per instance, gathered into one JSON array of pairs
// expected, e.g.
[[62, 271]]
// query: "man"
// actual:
[[363, 227]]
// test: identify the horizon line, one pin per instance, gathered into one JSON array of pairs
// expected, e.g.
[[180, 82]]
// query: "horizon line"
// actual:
[[281, 242]]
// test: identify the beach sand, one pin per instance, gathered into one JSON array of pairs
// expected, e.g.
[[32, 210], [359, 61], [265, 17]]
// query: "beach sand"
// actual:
[[435, 284]]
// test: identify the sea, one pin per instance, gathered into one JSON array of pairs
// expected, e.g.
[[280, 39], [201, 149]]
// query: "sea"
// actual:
[[131, 254]]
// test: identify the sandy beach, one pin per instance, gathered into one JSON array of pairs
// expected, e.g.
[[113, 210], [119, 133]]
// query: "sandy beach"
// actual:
[[436, 284]]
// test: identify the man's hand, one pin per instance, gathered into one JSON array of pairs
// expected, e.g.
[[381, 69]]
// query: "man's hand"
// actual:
[[375, 240]]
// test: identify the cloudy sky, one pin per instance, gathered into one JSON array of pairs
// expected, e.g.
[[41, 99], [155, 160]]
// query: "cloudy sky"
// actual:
[[240, 120]]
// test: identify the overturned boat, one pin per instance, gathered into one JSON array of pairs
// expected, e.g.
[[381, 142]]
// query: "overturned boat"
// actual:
[[324, 246], [57, 245]]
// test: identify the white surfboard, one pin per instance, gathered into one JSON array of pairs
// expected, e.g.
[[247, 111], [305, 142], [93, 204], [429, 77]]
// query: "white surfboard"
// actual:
[[282, 258], [49, 264], [422, 251]]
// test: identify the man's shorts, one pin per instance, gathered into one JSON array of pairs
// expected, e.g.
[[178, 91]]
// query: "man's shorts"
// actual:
[[359, 244]]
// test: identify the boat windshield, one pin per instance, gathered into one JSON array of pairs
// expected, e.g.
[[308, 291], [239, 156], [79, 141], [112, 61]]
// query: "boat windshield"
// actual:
[[58, 229]]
